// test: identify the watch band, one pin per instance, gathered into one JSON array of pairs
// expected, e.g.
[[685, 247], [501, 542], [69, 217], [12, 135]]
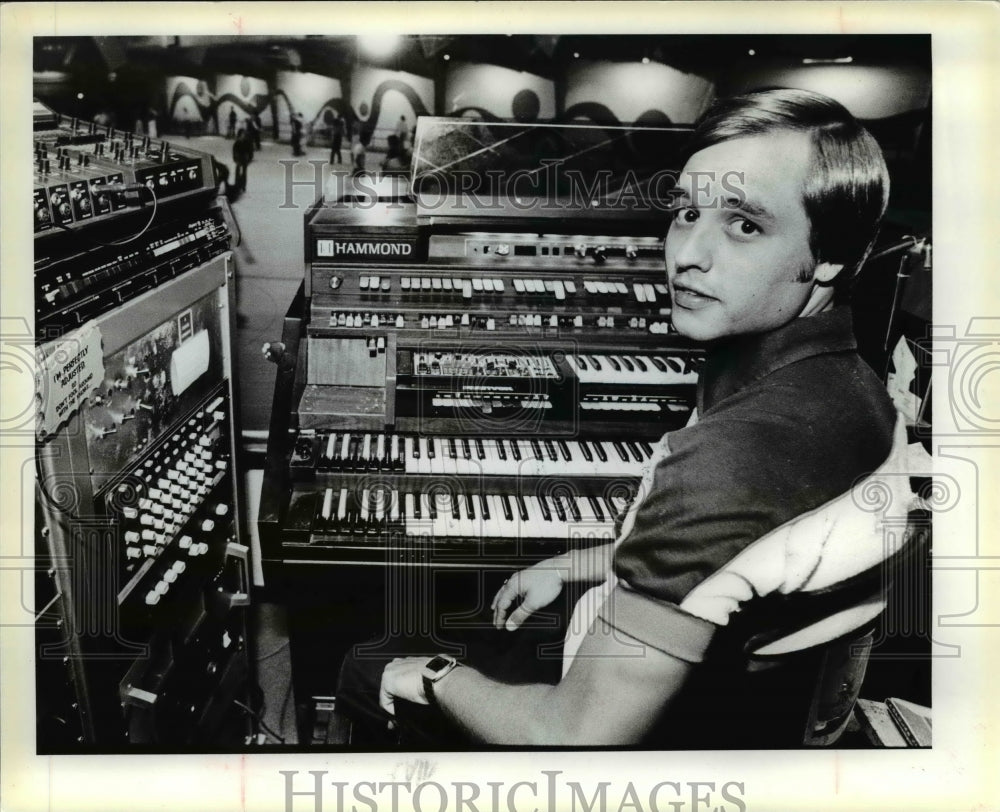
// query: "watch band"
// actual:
[[445, 664]]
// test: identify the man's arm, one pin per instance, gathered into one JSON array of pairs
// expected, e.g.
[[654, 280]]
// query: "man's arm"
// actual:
[[613, 693]]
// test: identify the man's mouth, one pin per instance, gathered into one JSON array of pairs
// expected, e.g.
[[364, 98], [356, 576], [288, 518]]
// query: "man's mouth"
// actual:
[[691, 298]]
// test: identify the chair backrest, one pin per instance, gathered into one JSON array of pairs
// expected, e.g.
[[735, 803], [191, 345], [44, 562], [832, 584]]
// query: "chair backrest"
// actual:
[[795, 684]]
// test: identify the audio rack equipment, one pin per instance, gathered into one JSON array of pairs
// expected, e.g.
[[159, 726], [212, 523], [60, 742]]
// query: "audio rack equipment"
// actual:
[[143, 573]]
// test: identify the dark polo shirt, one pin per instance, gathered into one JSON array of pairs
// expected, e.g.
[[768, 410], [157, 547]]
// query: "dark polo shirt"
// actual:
[[788, 421]]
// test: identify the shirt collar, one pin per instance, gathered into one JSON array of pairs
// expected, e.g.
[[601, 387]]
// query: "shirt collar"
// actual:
[[737, 363]]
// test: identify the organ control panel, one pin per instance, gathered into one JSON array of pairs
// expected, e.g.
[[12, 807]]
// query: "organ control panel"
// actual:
[[465, 387], [142, 572]]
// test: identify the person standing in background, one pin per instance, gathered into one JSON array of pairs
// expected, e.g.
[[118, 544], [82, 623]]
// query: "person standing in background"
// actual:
[[358, 152], [242, 155], [403, 132], [231, 132], [251, 135], [297, 127], [255, 133], [338, 140]]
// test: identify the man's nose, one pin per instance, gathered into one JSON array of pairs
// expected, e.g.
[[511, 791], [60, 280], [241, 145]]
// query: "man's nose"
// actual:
[[691, 248]]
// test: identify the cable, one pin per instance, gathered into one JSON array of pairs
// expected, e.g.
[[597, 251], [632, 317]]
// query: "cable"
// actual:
[[232, 219], [271, 654], [137, 187], [259, 720]]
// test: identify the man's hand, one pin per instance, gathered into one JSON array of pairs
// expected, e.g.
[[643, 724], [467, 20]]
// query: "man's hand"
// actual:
[[403, 678], [535, 587]]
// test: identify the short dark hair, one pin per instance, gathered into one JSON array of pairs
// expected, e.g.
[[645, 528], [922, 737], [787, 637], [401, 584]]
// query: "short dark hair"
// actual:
[[847, 188]]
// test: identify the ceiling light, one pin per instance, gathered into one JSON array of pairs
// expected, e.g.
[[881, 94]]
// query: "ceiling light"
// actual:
[[844, 60], [379, 47], [752, 52], [645, 60], [576, 54], [447, 57]]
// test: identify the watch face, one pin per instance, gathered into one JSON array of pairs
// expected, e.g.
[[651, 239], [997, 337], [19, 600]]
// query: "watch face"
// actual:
[[438, 663]]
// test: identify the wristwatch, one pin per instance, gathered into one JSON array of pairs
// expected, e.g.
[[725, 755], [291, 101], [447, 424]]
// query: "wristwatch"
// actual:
[[434, 670]]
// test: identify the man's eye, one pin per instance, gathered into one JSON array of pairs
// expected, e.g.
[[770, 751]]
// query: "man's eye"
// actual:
[[686, 215], [744, 227]]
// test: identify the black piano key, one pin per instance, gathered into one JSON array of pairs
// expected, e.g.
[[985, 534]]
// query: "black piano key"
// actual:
[[627, 364], [640, 363], [658, 364], [508, 514], [580, 362], [431, 449], [585, 449], [546, 513], [564, 450], [416, 448], [470, 506], [557, 504], [522, 509], [456, 512], [610, 509], [621, 450], [614, 364], [601, 455], [480, 450], [432, 507], [596, 507], [594, 362], [573, 509], [500, 452], [515, 450], [537, 449], [417, 513], [551, 449], [484, 507], [452, 449], [647, 448], [466, 449], [633, 449]]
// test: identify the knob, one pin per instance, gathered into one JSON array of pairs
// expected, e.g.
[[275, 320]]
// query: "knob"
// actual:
[[600, 253], [580, 250]]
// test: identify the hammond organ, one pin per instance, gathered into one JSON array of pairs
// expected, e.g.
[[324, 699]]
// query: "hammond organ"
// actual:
[[477, 366]]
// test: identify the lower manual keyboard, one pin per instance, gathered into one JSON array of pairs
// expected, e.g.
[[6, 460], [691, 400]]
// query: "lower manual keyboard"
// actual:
[[495, 456]]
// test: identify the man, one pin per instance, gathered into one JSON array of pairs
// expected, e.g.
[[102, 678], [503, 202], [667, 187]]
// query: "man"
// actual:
[[779, 205], [242, 156], [297, 127], [338, 140]]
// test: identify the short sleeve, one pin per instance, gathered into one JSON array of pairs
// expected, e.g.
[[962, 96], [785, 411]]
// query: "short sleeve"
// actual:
[[657, 623]]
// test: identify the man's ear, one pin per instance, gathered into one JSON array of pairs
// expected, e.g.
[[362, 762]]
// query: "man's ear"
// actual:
[[826, 272]]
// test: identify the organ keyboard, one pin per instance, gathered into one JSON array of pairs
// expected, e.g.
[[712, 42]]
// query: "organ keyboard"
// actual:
[[477, 387]]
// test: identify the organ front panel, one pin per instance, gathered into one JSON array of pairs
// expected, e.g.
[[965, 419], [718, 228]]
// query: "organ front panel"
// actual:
[[460, 386]]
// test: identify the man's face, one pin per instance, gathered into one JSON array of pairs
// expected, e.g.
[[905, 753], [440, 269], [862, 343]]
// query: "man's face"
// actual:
[[736, 250]]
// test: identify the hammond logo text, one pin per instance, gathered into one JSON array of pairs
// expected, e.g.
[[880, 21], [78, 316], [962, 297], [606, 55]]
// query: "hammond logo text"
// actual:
[[362, 250]]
